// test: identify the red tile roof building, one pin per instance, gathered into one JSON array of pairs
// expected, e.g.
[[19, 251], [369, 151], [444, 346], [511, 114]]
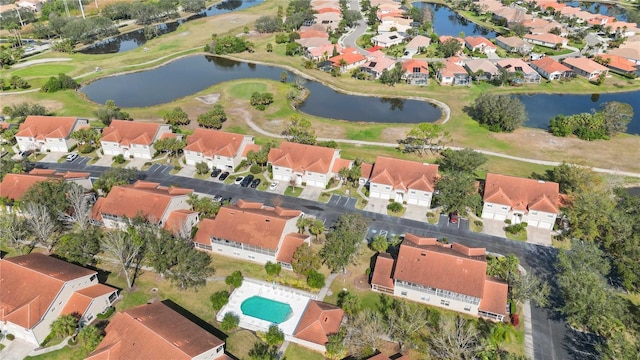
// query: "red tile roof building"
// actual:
[[551, 69], [453, 73], [546, 40], [132, 138], [349, 59], [13, 186], [155, 331], [218, 149], [318, 320], [36, 289], [448, 276], [310, 164], [403, 181], [535, 202], [52, 133], [619, 64], [252, 231], [415, 72], [479, 43], [155, 203], [586, 67]]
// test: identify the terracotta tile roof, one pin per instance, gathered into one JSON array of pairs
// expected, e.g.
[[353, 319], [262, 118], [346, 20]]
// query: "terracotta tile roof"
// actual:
[[383, 271], [410, 65], [349, 55], [494, 297], [142, 198], [550, 65], [340, 164], [42, 127], [29, 283], [444, 38], [13, 186], [584, 64], [247, 223], [300, 157], [153, 331], [327, 10], [547, 38], [289, 245], [404, 174], [214, 142], [512, 41], [250, 147], [418, 42], [318, 320], [443, 267], [474, 41], [81, 299], [324, 50], [514, 65], [176, 220], [130, 132], [521, 193], [618, 62], [365, 170], [311, 33]]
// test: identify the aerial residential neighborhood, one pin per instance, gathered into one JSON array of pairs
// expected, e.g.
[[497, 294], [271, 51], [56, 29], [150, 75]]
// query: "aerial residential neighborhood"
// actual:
[[319, 179]]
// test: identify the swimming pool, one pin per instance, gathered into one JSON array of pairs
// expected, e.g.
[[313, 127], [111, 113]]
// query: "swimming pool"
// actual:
[[266, 309]]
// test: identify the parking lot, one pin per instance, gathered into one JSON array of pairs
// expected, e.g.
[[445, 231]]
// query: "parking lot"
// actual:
[[345, 201]]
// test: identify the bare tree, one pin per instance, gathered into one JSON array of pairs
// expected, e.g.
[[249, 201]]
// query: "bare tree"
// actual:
[[456, 339], [80, 208], [406, 320], [366, 331], [127, 250], [41, 225], [13, 229]]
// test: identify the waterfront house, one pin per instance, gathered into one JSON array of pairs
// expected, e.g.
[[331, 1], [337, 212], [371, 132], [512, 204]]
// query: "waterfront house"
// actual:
[[445, 38], [453, 73], [529, 76], [479, 44], [586, 67], [450, 276], [48, 133], [156, 331], [218, 149], [518, 200], [619, 65], [631, 53], [546, 40], [133, 138], [403, 181], [417, 45], [415, 72], [349, 59], [149, 200], [252, 231], [36, 289], [514, 44], [309, 164], [377, 63], [551, 69], [481, 69]]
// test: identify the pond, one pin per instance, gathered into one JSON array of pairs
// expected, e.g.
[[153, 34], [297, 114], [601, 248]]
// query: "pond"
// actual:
[[134, 39], [615, 11], [192, 74], [447, 22], [542, 107]]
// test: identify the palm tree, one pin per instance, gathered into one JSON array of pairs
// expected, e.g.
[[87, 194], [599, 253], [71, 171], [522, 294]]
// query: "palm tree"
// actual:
[[64, 326]]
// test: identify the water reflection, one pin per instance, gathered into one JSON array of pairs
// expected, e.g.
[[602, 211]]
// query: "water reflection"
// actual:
[[447, 22]]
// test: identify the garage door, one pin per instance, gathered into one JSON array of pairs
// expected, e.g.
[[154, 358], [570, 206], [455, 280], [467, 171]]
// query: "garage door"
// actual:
[[545, 225], [57, 149], [315, 183], [533, 223], [412, 201], [424, 203], [487, 215], [500, 217], [375, 194]]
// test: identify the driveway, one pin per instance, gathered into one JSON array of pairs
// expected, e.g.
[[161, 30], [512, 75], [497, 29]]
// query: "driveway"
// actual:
[[377, 205], [16, 350], [538, 236], [53, 157], [188, 171], [416, 212], [493, 227], [311, 193]]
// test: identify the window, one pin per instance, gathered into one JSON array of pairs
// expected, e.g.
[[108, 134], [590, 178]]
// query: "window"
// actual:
[[467, 308], [505, 208], [412, 192], [489, 205], [90, 317], [445, 302], [252, 257], [93, 277], [534, 213], [113, 297], [404, 293], [387, 187], [550, 216], [416, 69]]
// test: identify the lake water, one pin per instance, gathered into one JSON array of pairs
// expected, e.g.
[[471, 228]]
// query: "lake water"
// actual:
[[446, 22], [600, 8], [134, 39], [543, 107], [190, 75]]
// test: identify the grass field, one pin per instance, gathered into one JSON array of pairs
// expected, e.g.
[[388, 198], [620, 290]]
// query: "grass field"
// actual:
[[44, 70]]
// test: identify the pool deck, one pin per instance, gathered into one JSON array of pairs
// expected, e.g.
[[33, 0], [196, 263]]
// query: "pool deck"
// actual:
[[250, 287]]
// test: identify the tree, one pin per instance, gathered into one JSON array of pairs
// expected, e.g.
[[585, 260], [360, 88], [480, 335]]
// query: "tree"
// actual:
[[62, 82], [229, 45], [204, 205], [316, 228], [617, 116], [229, 322], [81, 246], [299, 130], [192, 267], [160, 248], [456, 191], [41, 224], [456, 339], [529, 287], [519, 29], [343, 242], [272, 269], [268, 24], [393, 76], [379, 243], [350, 303], [465, 161], [219, 299], [13, 229], [269, 47], [365, 333], [173, 146], [260, 100], [305, 259], [406, 320], [499, 112], [111, 112], [335, 347], [18, 83], [449, 47], [90, 337], [589, 213], [19, 112], [176, 117], [213, 118], [115, 176], [64, 326], [425, 136], [315, 279], [86, 136], [52, 194], [127, 248], [263, 351], [234, 280], [194, 6], [202, 168], [79, 208], [274, 335], [572, 178]]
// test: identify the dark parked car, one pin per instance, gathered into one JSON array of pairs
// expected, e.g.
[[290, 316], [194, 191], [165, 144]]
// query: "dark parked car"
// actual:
[[246, 181], [224, 175], [453, 217], [255, 183], [217, 198], [215, 173]]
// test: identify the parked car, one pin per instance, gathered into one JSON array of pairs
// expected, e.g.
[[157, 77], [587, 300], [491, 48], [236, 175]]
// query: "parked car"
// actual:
[[217, 198], [226, 200], [255, 183], [215, 172], [72, 157], [224, 175], [238, 180], [274, 185], [453, 217], [246, 181]]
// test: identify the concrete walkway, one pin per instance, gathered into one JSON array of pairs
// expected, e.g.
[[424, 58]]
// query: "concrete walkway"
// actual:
[[39, 61], [327, 284], [16, 349]]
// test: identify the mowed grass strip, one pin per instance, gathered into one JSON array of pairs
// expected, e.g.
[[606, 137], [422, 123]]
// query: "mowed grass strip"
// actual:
[[244, 90], [44, 70]]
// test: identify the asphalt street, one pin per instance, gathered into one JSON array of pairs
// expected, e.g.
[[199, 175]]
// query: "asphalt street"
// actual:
[[552, 338]]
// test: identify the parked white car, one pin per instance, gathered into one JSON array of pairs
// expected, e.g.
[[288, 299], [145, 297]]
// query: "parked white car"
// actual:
[[274, 185], [72, 157]]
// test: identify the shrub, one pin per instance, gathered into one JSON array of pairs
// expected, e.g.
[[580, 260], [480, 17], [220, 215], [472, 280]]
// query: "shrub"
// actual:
[[119, 159], [507, 221], [85, 148], [10, 337], [395, 207], [230, 321], [107, 313], [255, 169], [219, 299], [477, 223], [315, 279], [515, 320], [242, 164], [514, 229], [272, 269], [202, 168]]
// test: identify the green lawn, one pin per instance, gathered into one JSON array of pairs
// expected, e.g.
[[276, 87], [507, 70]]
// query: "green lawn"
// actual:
[[244, 90], [293, 192], [44, 70], [369, 133], [66, 353], [520, 236], [295, 351]]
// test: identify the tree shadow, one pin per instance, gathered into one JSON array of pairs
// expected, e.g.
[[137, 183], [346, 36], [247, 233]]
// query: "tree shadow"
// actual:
[[581, 345], [543, 259]]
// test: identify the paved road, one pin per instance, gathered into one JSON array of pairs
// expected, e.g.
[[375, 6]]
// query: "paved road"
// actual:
[[552, 340], [350, 39]]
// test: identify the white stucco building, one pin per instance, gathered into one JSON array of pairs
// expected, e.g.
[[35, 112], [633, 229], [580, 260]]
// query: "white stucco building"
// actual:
[[218, 149], [403, 181], [48, 133], [310, 164], [133, 138]]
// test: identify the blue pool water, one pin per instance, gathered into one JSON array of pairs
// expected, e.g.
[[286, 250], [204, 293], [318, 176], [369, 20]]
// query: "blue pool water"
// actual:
[[266, 309]]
